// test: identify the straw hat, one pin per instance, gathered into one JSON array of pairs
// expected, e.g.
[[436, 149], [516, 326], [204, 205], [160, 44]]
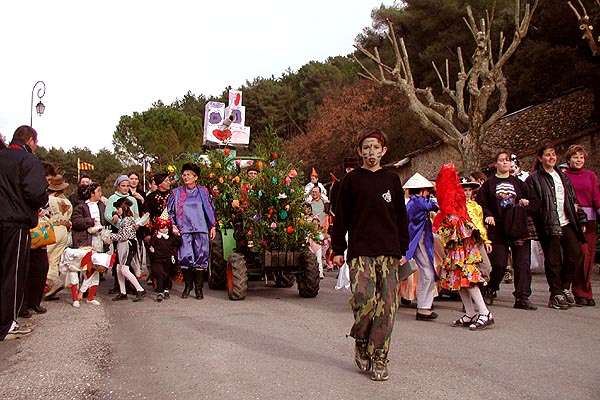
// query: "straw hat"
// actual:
[[57, 183], [417, 181]]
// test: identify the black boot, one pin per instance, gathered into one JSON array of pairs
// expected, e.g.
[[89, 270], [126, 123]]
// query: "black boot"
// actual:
[[188, 279], [198, 283]]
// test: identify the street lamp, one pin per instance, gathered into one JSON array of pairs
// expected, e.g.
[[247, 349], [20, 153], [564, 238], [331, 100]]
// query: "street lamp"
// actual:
[[40, 107]]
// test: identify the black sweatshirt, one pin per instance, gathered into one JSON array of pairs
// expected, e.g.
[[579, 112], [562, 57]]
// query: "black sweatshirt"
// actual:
[[496, 197], [371, 209]]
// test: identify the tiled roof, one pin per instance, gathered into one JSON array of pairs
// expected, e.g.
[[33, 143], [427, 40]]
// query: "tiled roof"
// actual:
[[553, 120]]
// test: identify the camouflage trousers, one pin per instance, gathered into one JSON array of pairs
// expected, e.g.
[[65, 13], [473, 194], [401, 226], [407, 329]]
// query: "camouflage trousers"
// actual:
[[374, 300]]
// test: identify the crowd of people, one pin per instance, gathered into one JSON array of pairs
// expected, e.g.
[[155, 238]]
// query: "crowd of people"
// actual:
[[461, 240], [51, 242], [419, 240]]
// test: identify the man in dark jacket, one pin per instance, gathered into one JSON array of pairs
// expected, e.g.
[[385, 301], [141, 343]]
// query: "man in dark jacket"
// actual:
[[555, 217], [22, 193]]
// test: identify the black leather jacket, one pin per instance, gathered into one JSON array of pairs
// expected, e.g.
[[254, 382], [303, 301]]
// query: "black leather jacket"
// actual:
[[543, 196]]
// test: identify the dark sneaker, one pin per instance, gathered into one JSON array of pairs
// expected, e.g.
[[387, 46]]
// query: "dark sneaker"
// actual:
[[361, 356], [25, 313], [558, 302], [524, 305], [570, 299], [591, 303], [580, 301], [483, 322], [119, 297], [139, 296], [160, 297], [379, 371], [426, 317], [166, 294]]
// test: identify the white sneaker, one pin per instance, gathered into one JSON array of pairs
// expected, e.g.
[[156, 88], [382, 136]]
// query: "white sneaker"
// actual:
[[94, 302], [76, 304]]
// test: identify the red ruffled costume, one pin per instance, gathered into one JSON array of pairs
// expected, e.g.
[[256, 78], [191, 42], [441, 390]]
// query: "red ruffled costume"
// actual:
[[457, 233]]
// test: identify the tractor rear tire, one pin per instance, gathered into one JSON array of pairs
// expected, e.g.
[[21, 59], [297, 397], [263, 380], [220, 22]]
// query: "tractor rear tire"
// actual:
[[284, 279], [309, 280], [218, 265], [237, 277]]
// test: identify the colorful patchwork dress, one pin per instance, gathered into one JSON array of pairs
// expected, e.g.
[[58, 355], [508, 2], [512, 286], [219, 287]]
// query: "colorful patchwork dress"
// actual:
[[462, 254]]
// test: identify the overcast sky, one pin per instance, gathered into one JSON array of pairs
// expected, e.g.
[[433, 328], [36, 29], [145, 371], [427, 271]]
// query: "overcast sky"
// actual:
[[104, 59]]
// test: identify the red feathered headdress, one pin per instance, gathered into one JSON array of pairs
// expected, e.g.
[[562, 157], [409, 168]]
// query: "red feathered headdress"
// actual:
[[450, 195]]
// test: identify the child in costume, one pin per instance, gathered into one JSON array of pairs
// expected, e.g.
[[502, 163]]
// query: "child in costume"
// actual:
[[420, 247], [475, 212], [126, 248], [461, 241], [90, 264], [163, 250]]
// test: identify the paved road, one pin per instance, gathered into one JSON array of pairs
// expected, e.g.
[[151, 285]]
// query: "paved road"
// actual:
[[275, 345]]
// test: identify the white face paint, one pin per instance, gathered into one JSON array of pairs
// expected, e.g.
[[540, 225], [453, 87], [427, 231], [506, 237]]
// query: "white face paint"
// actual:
[[371, 152]]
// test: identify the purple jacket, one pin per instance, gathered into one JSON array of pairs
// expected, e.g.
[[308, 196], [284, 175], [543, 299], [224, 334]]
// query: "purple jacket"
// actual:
[[191, 210], [419, 224], [587, 191]]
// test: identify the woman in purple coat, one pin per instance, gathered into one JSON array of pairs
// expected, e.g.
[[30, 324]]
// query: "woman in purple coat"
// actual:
[[193, 216]]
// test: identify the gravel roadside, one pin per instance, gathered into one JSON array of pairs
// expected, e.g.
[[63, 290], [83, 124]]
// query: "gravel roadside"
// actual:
[[68, 355]]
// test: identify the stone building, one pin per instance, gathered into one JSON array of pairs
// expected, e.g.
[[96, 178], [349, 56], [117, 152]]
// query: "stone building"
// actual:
[[564, 120]]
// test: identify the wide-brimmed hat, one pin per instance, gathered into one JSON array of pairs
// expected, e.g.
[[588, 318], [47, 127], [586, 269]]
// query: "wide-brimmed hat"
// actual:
[[417, 181], [120, 202], [469, 182], [191, 167], [57, 183]]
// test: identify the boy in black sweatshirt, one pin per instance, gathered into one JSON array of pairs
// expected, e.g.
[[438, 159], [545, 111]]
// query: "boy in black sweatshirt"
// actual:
[[371, 210]]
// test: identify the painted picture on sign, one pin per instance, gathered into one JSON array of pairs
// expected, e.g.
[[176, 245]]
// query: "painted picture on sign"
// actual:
[[226, 125]]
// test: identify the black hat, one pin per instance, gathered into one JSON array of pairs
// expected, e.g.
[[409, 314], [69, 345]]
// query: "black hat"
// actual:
[[190, 167], [159, 177], [120, 202]]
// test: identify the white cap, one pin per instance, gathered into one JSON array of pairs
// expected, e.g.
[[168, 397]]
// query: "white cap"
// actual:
[[417, 181]]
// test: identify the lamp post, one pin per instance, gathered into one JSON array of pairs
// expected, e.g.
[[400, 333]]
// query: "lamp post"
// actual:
[[39, 107]]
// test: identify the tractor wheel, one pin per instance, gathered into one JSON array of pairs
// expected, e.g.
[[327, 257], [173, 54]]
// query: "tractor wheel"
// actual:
[[218, 264], [237, 277], [284, 280], [309, 280]]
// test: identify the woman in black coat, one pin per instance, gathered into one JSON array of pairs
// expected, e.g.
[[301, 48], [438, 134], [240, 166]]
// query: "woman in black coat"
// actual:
[[88, 218]]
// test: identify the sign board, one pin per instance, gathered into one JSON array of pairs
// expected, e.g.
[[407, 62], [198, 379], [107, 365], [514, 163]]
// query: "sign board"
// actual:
[[226, 125]]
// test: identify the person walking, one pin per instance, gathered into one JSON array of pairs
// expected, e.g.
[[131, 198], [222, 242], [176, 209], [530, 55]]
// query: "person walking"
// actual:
[[420, 247], [162, 247], [462, 255], [587, 192], [191, 210], [371, 210], [554, 214], [61, 210], [505, 199], [22, 193], [127, 248]]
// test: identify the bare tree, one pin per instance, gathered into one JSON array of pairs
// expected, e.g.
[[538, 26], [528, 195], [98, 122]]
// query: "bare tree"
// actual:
[[586, 26], [463, 123]]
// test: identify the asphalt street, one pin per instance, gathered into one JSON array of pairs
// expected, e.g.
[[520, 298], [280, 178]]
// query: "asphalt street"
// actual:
[[276, 345]]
